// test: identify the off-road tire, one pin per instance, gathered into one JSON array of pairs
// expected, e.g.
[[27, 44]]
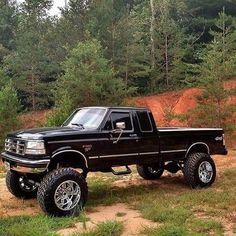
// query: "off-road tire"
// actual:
[[191, 170], [13, 185], [145, 172], [49, 185]]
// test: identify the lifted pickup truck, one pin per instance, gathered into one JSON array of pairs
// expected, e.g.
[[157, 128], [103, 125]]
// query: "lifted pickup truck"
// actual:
[[52, 163]]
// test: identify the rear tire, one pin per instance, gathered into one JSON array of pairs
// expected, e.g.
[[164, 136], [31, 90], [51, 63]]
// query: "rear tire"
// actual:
[[199, 170], [150, 172], [18, 185], [62, 192]]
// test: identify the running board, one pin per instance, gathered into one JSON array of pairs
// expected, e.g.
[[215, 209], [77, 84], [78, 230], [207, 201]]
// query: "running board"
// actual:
[[125, 172]]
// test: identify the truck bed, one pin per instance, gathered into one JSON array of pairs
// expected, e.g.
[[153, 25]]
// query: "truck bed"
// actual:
[[175, 140]]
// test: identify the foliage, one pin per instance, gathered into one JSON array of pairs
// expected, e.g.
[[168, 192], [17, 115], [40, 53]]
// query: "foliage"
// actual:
[[63, 108], [8, 110], [218, 63], [88, 80], [34, 225]]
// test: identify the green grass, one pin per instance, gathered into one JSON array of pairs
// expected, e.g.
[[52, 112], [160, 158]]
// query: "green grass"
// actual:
[[40, 225], [196, 227], [166, 230], [108, 228], [205, 226]]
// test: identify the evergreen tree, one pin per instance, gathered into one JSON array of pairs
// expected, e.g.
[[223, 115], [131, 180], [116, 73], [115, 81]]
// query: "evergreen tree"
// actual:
[[8, 23], [30, 64], [88, 80], [9, 109], [169, 68], [218, 64]]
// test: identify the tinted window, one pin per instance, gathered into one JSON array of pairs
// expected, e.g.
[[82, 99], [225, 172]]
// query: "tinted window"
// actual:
[[144, 121], [121, 117], [108, 125]]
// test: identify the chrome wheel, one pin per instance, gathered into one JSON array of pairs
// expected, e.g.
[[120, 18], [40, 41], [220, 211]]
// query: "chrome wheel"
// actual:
[[205, 172], [25, 185], [67, 195]]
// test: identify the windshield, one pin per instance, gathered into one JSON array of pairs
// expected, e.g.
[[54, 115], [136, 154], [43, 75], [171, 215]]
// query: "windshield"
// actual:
[[87, 118]]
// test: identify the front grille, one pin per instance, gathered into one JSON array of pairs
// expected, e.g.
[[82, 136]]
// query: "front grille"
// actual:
[[15, 146]]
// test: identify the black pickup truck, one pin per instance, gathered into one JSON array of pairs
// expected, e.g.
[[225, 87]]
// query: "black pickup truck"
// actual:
[[52, 163]]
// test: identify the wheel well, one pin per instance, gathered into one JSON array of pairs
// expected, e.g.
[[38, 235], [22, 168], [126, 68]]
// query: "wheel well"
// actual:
[[68, 159], [198, 147]]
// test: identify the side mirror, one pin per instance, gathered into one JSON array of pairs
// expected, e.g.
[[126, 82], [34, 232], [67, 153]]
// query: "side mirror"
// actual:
[[120, 125]]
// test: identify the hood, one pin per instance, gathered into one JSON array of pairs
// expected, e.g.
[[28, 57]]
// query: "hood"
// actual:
[[39, 133]]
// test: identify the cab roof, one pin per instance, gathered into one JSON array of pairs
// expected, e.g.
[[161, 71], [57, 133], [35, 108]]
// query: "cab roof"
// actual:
[[118, 108]]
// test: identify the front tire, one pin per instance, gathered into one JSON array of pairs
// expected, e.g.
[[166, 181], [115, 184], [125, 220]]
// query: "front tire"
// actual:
[[199, 170], [19, 186], [151, 172], [62, 192]]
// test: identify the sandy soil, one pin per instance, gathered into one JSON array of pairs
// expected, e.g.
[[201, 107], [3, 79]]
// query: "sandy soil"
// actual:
[[132, 220]]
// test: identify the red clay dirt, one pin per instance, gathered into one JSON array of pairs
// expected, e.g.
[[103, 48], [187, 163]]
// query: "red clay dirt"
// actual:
[[33, 119], [179, 102]]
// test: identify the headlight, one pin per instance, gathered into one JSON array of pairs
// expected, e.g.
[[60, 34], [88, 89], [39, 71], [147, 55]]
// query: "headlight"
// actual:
[[36, 147]]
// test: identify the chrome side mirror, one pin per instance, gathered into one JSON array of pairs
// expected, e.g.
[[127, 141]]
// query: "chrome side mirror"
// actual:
[[120, 125]]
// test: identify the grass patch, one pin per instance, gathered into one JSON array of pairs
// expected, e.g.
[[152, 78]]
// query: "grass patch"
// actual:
[[166, 230], [161, 214], [205, 226], [108, 228], [40, 225]]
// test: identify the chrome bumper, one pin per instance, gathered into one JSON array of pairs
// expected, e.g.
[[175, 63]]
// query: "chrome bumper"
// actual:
[[24, 165]]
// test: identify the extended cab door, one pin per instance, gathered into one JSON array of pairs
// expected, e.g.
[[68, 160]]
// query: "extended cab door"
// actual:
[[149, 140], [120, 147]]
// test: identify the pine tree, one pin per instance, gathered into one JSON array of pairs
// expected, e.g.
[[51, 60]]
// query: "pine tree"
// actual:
[[30, 64], [218, 64], [9, 109], [169, 45], [88, 80]]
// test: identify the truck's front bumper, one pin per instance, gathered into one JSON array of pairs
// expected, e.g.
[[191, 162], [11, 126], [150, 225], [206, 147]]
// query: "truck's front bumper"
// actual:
[[25, 165]]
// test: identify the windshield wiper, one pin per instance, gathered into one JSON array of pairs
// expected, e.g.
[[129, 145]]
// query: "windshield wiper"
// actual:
[[79, 125]]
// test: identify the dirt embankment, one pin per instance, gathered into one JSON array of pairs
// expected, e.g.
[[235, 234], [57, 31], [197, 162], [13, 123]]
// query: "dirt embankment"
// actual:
[[179, 102]]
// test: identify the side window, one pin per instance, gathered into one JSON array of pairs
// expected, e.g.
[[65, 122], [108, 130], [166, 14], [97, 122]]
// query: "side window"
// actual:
[[144, 121], [121, 117], [108, 125]]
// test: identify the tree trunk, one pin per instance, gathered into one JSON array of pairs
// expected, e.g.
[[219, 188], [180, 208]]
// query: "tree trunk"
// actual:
[[33, 100], [127, 66], [223, 37], [113, 36], [152, 20], [152, 36], [166, 61]]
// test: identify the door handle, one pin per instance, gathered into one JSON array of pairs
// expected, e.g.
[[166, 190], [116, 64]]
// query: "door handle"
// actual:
[[133, 135]]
